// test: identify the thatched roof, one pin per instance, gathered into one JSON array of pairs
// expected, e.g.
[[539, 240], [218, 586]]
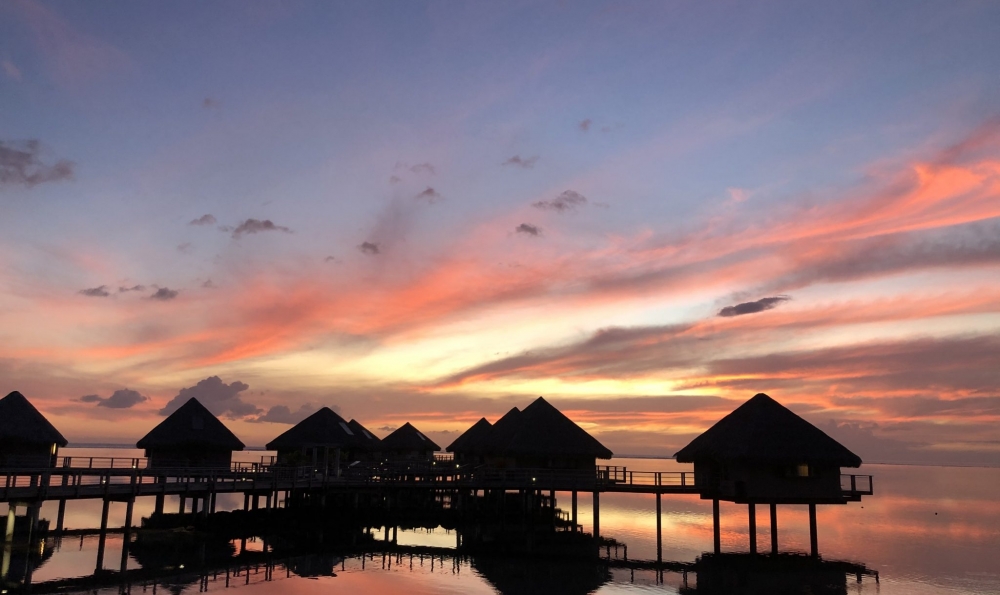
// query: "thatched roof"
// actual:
[[20, 422], [323, 428], [764, 430], [191, 425], [407, 437], [542, 430], [470, 439], [496, 439], [365, 438]]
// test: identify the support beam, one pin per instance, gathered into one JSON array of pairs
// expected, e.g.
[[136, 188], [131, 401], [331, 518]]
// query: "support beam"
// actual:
[[813, 541], [774, 528], [597, 514], [659, 530], [11, 513], [61, 516], [752, 510], [102, 540], [574, 511], [717, 536], [158, 505], [180, 507], [127, 535]]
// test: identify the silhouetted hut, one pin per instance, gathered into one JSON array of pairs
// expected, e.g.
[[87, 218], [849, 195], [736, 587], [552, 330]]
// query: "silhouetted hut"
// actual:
[[407, 443], [465, 447], [541, 437], [190, 437], [371, 446], [27, 439], [323, 440], [762, 452]]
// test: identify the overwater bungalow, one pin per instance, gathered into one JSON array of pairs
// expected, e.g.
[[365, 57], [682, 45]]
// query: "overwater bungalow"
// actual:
[[465, 447], [407, 443], [27, 439], [324, 439], [190, 437], [541, 437], [371, 446], [762, 452]]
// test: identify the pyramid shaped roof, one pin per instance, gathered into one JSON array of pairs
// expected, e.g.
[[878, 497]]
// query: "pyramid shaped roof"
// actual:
[[323, 428], [471, 438], [764, 430], [365, 437], [407, 437], [191, 425], [541, 429], [21, 422]]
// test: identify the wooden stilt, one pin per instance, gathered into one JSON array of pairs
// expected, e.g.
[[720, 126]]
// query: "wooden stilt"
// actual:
[[182, 505], [774, 528], [61, 516], [597, 514], [717, 536], [127, 536], [11, 513], [102, 539], [813, 541], [659, 529], [575, 523], [752, 510]]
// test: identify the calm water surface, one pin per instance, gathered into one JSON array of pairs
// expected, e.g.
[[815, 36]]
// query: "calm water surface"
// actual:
[[926, 530]]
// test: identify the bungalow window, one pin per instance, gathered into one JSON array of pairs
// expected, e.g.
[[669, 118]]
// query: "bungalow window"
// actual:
[[802, 470]]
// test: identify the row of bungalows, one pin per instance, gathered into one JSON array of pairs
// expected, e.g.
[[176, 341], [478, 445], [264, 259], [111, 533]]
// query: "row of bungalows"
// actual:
[[537, 437]]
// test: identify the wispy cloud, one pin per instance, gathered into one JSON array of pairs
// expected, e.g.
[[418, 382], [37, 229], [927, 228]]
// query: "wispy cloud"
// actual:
[[252, 226], [585, 125], [10, 69], [522, 162], [528, 229], [370, 248], [123, 289], [423, 168], [217, 396], [430, 195], [211, 103], [282, 414], [206, 219], [753, 307], [21, 164], [164, 294], [120, 399], [99, 291], [567, 201]]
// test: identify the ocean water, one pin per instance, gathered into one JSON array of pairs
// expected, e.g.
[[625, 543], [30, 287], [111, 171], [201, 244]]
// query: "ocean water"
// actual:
[[925, 530]]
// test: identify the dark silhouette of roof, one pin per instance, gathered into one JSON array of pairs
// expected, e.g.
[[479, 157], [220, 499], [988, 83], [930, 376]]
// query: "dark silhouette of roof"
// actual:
[[495, 440], [191, 425], [21, 422], [541, 429], [764, 430], [406, 437], [323, 428], [469, 439], [365, 437]]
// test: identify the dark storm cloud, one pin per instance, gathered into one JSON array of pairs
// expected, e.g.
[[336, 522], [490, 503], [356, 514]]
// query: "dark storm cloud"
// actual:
[[518, 161], [567, 201], [753, 307], [585, 124], [430, 195], [257, 226], [164, 294], [370, 248], [528, 229], [21, 165], [120, 399], [423, 168], [217, 396], [99, 291], [205, 219]]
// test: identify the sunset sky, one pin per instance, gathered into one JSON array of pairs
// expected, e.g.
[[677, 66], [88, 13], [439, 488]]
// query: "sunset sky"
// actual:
[[430, 212]]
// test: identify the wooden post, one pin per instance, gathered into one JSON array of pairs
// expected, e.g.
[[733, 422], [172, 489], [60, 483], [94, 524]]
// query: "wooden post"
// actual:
[[715, 526], [180, 508], [774, 528], [813, 542], [597, 514], [61, 516], [574, 512], [11, 513], [127, 535], [213, 503], [752, 509], [103, 536], [659, 530], [158, 505], [246, 501]]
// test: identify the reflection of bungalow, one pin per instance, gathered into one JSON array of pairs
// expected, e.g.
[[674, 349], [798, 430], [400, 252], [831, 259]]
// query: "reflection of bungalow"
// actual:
[[407, 443], [27, 439], [762, 452], [541, 437], [465, 447], [371, 446], [323, 439], [190, 437]]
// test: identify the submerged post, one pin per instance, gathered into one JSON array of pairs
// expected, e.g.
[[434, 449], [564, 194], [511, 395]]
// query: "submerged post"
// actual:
[[102, 539], [774, 528], [717, 537], [752, 508], [813, 542], [597, 514], [659, 530]]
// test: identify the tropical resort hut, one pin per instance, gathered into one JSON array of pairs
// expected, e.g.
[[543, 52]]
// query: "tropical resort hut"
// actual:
[[190, 437], [465, 447], [322, 440], [371, 446], [541, 437], [27, 439], [764, 453], [407, 443]]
